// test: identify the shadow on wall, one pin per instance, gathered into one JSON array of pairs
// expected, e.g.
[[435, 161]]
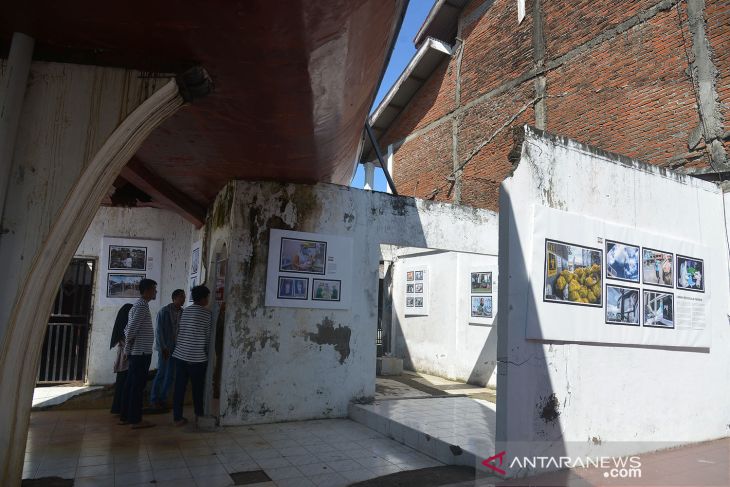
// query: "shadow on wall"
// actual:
[[486, 364], [527, 401]]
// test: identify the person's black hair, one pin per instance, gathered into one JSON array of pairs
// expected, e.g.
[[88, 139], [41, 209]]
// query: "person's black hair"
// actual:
[[146, 284], [177, 292], [199, 292], [119, 324]]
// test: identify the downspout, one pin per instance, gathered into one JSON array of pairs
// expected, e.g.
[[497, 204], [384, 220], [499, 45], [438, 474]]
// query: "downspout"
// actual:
[[12, 93]]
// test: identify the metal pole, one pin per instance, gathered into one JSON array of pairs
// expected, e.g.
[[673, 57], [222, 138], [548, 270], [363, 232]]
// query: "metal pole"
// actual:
[[383, 165], [12, 92]]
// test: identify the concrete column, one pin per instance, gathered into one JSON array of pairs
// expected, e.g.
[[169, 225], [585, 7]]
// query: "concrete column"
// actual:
[[12, 93], [369, 176]]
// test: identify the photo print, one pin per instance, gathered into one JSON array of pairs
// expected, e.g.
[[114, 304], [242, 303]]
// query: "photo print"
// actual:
[[326, 290], [658, 309], [126, 258], [195, 264], [622, 261], [123, 285], [409, 302], [418, 302], [690, 274], [409, 276], [622, 305], [657, 267], [292, 288], [419, 287], [410, 288], [481, 306], [572, 274], [481, 282], [306, 256], [419, 275]]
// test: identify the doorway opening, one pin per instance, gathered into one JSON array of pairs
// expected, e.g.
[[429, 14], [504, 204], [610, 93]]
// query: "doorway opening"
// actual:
[[65, 346]]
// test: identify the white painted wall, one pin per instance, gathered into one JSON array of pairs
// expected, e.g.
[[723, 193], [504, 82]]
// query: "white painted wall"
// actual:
[[274, 369], [147, 223], [447, 343], [606, 394]]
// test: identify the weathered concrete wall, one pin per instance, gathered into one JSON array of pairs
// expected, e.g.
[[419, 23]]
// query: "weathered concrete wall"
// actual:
[[446, 343], [579, 398], [293, 364], [145, 223]]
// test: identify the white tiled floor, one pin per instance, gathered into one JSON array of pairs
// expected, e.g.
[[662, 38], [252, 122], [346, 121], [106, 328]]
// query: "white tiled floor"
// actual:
[[468, 423], [90, 447]]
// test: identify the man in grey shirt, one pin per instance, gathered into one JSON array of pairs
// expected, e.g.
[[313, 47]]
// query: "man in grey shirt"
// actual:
[[165, 335]]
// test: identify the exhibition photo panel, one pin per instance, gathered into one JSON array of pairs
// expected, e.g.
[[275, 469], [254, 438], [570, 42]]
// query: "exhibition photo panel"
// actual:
[[623, 261], [573, 274], [658, 309], [481, 282], [657, 267], [123, 285], [481, 306], [293, 288], [326, 289], [690, 274], [127, 258], [623, 305], [303, 256], [416, 292]]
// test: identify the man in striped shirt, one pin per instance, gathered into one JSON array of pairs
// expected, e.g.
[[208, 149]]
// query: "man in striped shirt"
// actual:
[[139, 339], [191, 352]]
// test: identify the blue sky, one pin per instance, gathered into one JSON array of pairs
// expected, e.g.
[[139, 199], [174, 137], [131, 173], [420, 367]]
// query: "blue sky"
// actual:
[[402, 54]]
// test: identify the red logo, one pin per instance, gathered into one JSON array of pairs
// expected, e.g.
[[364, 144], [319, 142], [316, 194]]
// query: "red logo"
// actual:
[[499, 456]]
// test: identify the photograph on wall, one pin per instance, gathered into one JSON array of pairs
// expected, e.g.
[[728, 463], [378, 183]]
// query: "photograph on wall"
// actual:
[[418, 302], [293, 288], [123, 285], [419, 275], [481, 306], [195, 261], [419, 287], [409, 302], [572, 274], [657, 267], [326, 290], [192, 282], [127, 258], [622, 261], [622, 305], [690, 274], [658, 309], [481, 282], [409, 276], [306, 256], [410, 288]]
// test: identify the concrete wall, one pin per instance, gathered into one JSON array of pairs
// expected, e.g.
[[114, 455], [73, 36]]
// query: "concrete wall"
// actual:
[[145, 223], [292, 364], [579, 398], [447, 343]]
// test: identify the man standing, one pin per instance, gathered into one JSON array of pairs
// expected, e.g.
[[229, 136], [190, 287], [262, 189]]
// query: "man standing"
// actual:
[[139, 339], [165, 335], [191, 353]]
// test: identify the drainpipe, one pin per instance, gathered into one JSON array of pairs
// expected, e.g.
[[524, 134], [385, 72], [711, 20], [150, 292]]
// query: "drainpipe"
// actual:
[[12, 92]]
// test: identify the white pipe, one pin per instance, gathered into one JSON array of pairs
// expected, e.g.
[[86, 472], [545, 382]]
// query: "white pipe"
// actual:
[[12, 92], [369, 176], [389, 162]]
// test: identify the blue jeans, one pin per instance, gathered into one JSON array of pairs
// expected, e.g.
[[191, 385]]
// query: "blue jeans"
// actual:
[[163, 379]]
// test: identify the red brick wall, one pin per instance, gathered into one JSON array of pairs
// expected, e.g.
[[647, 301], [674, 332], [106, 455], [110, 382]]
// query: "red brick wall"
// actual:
[[629, 94], [424, 163]]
